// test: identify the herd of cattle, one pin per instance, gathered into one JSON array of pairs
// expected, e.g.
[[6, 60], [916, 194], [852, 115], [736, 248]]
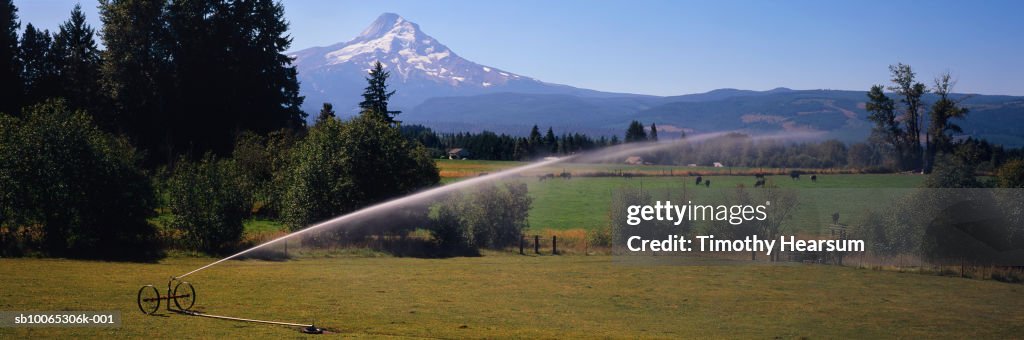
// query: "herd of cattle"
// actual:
[[758, 183], [563, 175]]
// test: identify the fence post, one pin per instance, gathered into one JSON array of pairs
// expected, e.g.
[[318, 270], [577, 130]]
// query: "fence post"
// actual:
[[522, 240], [536, 244], [554, 245]]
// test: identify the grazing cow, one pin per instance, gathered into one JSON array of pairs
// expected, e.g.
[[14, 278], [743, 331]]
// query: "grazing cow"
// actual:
[[699, 178], [759, 183], [565, 175], [814, 178], [707, 183], [794, 175]]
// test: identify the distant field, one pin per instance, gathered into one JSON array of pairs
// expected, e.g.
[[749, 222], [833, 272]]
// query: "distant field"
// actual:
[[583, 202], [451, 169], [471, 168], [501, 296]]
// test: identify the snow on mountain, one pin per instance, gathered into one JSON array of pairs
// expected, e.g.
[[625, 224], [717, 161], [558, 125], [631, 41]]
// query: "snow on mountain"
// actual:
[[421, 67]]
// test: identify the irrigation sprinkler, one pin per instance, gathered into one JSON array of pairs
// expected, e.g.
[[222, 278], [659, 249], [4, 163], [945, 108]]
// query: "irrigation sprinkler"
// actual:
[[183, 295]]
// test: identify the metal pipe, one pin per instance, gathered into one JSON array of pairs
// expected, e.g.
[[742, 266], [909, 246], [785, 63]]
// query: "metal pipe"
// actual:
[[240, 319]]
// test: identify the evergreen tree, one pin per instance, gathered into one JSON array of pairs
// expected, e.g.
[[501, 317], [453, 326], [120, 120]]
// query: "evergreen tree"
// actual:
[[39, 72], [137, 69], [521, 149], [535, 140], [376, 95], [10, 66], [635, 132], [77, 60], [550, 141], [654, 133], [269, 97], [230, 73], [326, 113]]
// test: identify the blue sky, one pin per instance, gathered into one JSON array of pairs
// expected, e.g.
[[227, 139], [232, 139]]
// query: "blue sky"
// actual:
[[679, 47]]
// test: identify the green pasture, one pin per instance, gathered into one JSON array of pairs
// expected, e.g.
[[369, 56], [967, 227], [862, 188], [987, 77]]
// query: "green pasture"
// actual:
[[511, 296], [584, 202]]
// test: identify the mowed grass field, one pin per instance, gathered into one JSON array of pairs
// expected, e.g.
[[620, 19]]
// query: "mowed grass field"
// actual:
[[584, 202], [501, 296]]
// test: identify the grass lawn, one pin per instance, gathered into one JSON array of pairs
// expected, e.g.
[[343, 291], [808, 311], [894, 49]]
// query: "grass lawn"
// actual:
[[502, 295]]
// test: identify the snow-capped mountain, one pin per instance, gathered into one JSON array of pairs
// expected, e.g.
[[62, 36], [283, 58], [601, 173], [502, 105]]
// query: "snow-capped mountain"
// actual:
[[421, 67]]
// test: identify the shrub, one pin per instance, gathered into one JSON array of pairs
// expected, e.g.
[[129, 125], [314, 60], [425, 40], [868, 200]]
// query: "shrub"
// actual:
[[450, 231], [1011, 174], [492, 217], [207, 204], [344, 166], [600, 237], [316, 185], [262, 163], [497, 216], [81, 190], [951, 172]]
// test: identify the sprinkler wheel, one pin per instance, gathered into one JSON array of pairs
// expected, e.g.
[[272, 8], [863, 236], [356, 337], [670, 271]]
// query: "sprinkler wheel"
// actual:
[[184, 295], [149, 299]]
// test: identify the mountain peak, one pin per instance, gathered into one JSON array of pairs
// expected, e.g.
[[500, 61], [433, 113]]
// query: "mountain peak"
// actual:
[[421, 66], [385, 23], [408, 53]]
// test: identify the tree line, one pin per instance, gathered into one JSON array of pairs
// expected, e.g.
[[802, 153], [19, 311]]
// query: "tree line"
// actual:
[[491, 146], [174, 77], [732, 149], [902, 123], [191, 111]]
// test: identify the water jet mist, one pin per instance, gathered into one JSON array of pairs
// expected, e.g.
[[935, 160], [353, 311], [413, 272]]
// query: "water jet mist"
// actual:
[[602, 155]]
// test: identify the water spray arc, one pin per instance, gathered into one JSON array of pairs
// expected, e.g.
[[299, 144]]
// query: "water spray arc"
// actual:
[[183, 293], [389, 204], [602, 155]]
